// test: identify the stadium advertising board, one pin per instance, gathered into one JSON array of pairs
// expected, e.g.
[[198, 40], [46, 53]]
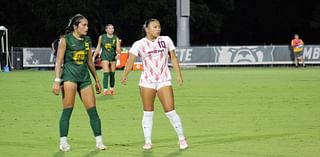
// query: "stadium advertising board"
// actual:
[[37, 57], [244, 55], [210, 55]]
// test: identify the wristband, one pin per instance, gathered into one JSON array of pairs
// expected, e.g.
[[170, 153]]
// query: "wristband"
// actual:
[[57, 80]]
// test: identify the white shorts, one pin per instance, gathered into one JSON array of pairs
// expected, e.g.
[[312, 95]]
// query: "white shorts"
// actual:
[[155, 85]]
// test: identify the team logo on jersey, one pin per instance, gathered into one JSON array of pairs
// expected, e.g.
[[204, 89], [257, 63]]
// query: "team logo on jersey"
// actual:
[[79, 57], [244, 54], [108, 46]]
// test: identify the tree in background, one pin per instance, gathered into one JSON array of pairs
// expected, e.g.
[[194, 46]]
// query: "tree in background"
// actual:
[[39, 22]]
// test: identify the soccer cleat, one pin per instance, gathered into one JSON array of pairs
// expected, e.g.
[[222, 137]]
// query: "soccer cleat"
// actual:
[[183, 144], [111, 91], [64, 147], [105, 92], [147, 146], [101, 146]]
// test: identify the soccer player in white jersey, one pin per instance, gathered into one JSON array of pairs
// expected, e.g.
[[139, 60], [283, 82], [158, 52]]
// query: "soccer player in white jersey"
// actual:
[[155, 51]]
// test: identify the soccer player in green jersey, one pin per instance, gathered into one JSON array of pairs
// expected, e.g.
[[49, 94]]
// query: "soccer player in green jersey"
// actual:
[[108, 47], [74, 52]]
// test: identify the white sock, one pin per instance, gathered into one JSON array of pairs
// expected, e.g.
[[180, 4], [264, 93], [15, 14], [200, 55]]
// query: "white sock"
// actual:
[[176, 123], [147, 122], [104, 90], [98, 139], [63, 140]]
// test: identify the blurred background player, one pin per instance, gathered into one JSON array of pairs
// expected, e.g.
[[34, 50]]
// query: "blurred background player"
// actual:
[[155, 79], [54, 48], [108, 47], [297, 48], [74, 53]]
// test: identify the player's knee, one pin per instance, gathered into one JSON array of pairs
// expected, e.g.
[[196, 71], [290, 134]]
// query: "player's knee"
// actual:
[[148, 108]]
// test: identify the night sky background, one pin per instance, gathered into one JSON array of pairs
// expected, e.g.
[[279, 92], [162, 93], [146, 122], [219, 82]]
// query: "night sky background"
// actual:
[[36, 23]]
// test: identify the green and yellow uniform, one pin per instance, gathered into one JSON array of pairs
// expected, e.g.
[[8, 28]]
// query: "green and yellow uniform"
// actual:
[[297, 45], [75, 68], [109, 46]]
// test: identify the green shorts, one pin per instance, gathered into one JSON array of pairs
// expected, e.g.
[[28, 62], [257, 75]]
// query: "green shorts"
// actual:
[[110, 59], [108, 56], [80, 85], [298, 54]]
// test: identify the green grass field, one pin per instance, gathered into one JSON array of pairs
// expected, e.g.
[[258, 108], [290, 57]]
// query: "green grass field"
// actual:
[[226, 112]]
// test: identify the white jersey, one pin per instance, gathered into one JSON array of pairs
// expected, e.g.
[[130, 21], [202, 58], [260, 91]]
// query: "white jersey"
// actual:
[[154, 56]]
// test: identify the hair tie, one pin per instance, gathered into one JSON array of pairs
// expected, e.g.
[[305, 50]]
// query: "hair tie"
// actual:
[[69, 24]]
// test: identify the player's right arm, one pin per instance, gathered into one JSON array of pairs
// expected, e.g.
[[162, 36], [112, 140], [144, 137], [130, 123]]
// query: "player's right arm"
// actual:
[[128, 68], [133, 53], [59, 62], [292, 43], [97, 50]]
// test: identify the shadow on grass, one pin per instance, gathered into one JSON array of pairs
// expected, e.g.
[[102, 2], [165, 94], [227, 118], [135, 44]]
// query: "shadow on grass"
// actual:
[[102, 97], [232, 139], [92, 153], [173, 154], [58, 154], [176, 153], [147, 153], [160, 143], [196, 141]]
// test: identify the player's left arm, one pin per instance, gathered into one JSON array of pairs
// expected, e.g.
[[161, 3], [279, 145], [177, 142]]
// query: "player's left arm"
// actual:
[[118, 46], [93, 72], [174, 60], [176, 66]]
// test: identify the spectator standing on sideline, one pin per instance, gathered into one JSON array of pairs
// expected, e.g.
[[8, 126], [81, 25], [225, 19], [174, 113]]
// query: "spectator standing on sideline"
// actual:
[[297, 48]]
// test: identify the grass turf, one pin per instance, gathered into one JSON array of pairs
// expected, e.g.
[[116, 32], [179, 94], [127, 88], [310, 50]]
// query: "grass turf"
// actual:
[[226, 112]]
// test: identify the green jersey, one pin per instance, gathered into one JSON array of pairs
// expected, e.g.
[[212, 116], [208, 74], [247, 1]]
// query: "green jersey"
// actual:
[[76, 57], [108, 46]]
